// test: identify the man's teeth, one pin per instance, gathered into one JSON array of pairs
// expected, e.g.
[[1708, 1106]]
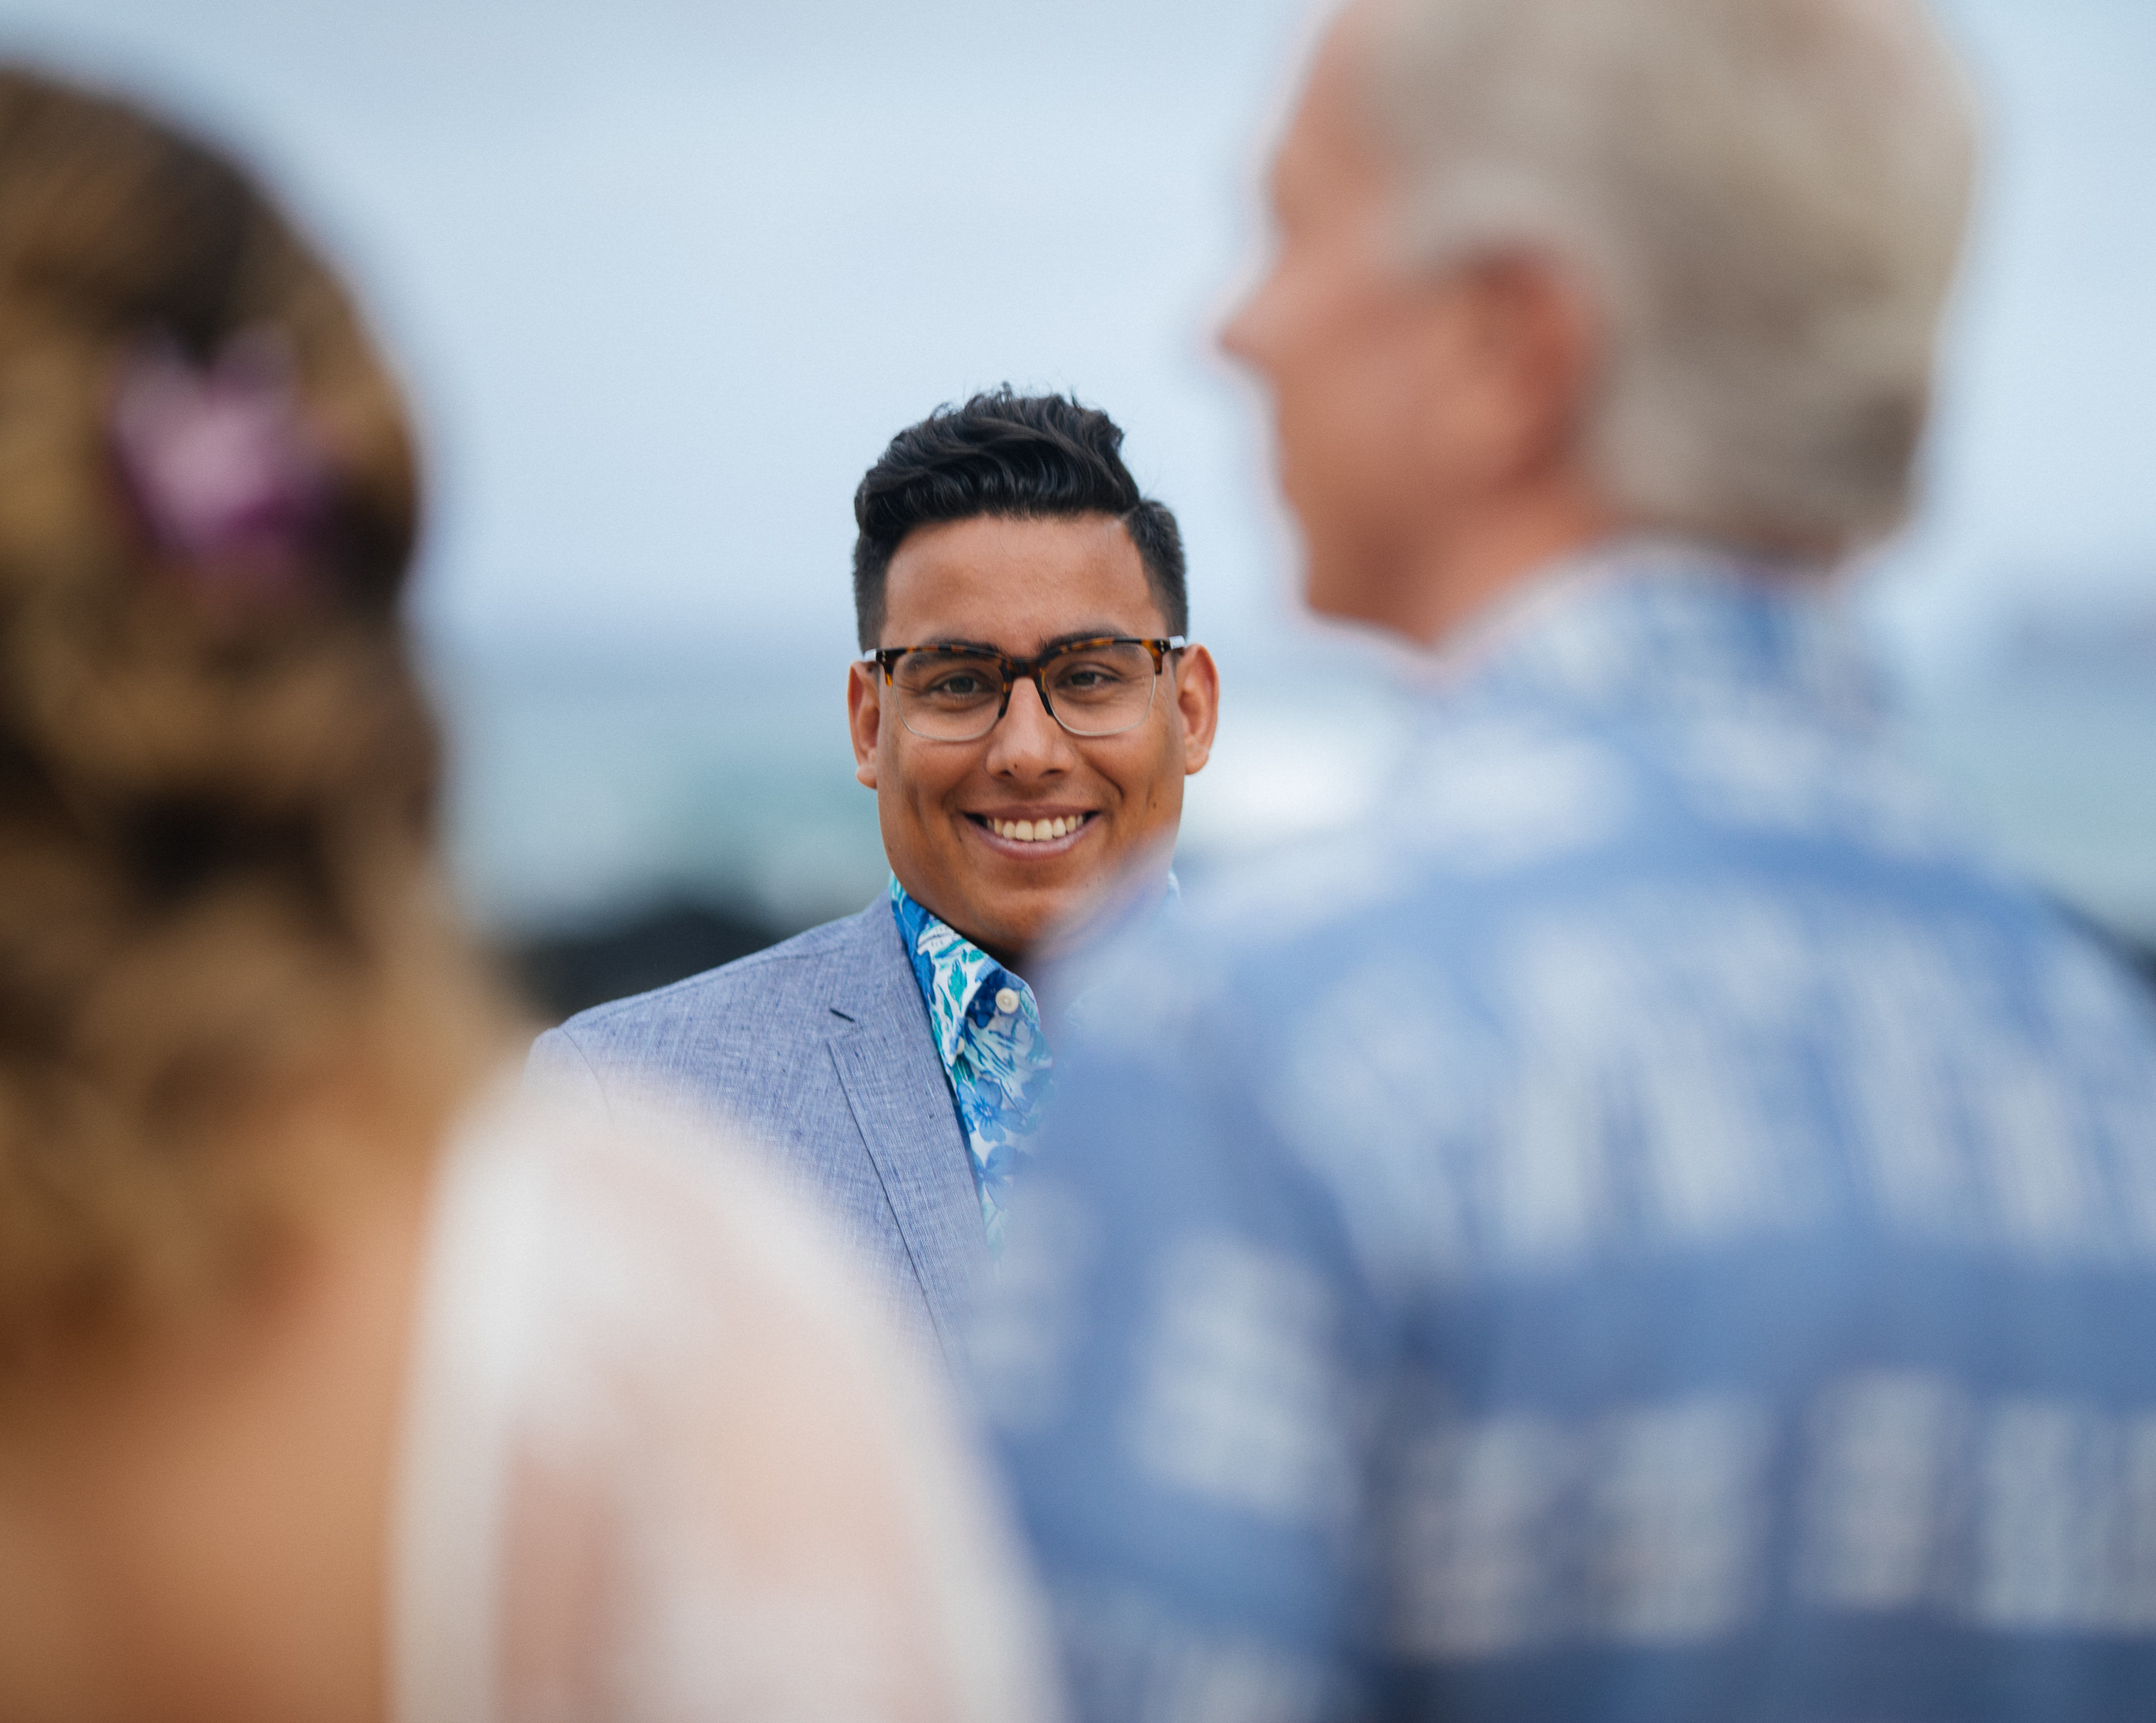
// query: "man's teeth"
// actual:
[[1036, 831]]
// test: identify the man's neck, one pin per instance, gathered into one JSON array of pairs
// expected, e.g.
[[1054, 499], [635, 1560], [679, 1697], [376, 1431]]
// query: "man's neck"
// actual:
[[1476, 562], [1139, 894]]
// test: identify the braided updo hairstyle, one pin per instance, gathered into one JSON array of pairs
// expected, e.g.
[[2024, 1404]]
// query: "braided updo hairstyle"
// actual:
[[218, 776]]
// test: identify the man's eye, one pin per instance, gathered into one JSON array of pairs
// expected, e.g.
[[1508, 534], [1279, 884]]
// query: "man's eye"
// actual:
[[1090, 676], [959, 685]]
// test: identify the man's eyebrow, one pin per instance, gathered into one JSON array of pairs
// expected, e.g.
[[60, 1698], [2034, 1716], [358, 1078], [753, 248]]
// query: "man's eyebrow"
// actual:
[[1102, 631], [1098, 631]]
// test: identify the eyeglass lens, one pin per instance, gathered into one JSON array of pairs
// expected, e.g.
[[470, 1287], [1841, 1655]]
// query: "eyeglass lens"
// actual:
[[957, 696]]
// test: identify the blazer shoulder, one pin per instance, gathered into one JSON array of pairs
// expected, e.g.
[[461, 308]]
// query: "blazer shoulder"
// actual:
[[800, 970]]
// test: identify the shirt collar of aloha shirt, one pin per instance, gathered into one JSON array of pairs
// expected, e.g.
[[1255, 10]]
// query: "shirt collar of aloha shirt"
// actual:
[[987, 1026]]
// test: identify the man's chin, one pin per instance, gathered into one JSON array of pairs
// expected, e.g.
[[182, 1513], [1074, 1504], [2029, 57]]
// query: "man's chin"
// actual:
[[1106, 903], [1034, 928], [1033, 911], [1355, 599]]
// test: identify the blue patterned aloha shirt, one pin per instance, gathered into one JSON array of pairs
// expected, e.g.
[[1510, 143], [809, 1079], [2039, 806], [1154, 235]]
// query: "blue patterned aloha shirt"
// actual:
[[1646, 1224], [988, 1029]]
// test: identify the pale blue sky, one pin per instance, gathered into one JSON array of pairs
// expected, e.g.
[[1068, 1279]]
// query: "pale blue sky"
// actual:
[[666, 275]]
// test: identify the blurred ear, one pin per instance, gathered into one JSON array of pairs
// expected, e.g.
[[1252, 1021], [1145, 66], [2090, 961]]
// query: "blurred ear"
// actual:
[[1197, 699], [864, 718], [1509, 351]]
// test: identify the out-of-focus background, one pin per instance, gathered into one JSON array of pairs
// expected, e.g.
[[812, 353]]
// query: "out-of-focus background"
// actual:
[[665, 275]]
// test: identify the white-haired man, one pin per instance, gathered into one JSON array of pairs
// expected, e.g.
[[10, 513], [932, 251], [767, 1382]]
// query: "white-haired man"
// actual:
[[1647, 1224]]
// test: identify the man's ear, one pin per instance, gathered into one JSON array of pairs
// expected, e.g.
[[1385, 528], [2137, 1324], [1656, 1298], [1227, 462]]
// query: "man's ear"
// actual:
[[1197, 699], [863, 719], [1512, 350]]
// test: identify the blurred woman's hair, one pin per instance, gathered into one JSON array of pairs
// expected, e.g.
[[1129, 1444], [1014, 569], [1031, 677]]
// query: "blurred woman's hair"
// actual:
[[217, 775], [1764, 199]]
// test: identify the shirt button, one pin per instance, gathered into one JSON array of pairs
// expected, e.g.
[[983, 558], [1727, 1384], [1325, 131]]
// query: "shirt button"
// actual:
[[1007, 1001]]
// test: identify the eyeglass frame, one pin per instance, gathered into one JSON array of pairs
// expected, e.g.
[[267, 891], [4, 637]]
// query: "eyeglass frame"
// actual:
[[1014, 670]]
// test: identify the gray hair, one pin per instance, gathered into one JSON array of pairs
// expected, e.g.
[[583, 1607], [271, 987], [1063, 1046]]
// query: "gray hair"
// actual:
[[1764, 198]]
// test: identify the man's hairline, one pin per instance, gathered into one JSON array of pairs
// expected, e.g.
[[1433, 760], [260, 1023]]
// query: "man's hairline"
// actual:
[[1153, 586], [1054, 643]]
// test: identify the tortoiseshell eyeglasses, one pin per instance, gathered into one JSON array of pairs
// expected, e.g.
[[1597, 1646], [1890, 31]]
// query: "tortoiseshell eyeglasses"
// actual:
[[958, 693]]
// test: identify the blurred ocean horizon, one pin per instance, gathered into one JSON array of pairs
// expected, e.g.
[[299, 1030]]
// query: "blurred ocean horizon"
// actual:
[[586, 789], [593, 794]]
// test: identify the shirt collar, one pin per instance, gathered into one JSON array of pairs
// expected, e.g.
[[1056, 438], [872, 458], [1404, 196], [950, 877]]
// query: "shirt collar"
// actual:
[[958, 980], [1662, 622]]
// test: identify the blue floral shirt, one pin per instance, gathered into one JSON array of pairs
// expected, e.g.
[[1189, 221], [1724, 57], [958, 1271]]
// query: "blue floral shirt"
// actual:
[[988, 1029]]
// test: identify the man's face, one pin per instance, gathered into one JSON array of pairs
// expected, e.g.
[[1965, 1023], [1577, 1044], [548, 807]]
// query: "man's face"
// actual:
[[1330, 328], [947, 809], [1428, 420]]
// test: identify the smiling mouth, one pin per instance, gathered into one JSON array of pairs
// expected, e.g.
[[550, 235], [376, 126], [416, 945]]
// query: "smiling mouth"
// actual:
[[1032, 830]]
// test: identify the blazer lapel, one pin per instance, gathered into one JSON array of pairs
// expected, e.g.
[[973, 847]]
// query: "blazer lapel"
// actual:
[[893, 1081]]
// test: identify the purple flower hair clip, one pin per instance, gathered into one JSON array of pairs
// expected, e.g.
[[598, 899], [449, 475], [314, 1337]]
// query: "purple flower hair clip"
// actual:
[[219, 461]]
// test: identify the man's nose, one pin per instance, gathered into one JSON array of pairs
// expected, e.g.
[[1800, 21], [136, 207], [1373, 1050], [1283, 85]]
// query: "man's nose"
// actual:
[[1028, 742], [1234, 337], [1241, 336]]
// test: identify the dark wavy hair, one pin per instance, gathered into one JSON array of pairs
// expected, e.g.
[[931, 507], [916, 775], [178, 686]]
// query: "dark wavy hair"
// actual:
[[1019, 456]]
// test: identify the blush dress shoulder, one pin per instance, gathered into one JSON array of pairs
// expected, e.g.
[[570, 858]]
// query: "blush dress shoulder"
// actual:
[[663, 1461]]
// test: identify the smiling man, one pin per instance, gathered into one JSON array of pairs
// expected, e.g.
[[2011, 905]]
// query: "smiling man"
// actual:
[[1026, 710]]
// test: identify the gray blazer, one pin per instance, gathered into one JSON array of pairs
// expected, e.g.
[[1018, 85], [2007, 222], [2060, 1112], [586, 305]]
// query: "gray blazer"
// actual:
[[821, 1050]]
